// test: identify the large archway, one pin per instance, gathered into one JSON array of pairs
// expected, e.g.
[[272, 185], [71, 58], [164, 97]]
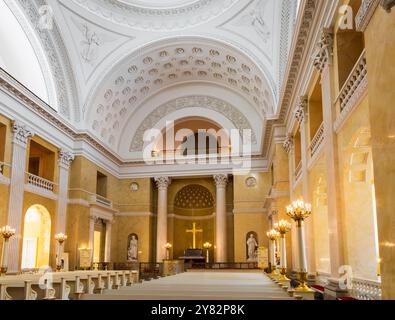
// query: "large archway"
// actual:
[[36, 238]]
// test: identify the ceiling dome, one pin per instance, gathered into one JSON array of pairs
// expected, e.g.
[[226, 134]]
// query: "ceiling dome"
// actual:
[[194, 197]]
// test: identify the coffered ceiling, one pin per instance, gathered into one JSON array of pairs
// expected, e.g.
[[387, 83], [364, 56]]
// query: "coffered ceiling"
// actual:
[[119, 65]]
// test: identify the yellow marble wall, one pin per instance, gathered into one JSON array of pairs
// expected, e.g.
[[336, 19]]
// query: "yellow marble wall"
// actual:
[[123, 227], [358, 214], [248, 212], [380, 49]]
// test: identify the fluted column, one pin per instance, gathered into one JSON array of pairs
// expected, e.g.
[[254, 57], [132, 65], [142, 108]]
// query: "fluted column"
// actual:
[[161, 230], [64, 162], [323, 62], [22, 134], [220, 218], [302, 117]]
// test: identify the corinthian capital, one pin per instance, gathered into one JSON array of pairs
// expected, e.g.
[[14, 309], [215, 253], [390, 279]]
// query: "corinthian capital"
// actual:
[[324, 50], [162, 182], [301, 109], [288, 143], [65, 158], [221, 180], [22, 133]]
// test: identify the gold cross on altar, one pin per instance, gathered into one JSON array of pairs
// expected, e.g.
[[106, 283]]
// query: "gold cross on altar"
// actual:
[[194, 231]]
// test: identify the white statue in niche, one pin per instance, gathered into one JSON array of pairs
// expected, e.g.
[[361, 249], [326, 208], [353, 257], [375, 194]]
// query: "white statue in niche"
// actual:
[[251, 248], [133, 249]]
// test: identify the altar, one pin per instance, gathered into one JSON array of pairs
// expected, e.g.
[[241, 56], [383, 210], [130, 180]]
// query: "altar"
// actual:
[[193, 256]]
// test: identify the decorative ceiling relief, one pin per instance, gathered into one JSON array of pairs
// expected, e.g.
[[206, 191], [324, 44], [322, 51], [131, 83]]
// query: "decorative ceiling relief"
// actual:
[[256, 18], [157, 16], [61, 66], [147, 72], [239, 121], [92, 42]]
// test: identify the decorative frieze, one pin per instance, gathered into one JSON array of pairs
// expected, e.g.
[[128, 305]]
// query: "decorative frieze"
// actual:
[[324, 51], [22, 133], [162, 182], [301, 110]]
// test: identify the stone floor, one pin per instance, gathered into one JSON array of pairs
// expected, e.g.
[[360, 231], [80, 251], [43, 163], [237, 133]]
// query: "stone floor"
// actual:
[[200, 286]]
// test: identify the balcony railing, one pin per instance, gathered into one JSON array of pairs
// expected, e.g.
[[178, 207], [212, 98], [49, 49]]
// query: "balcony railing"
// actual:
[[101, 200], [352, 91], [355, 84], [366, 289], [317, 140], [298, 171], [40, 182]]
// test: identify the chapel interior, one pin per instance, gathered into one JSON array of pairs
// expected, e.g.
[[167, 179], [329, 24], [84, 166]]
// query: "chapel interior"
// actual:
[[148, 147]]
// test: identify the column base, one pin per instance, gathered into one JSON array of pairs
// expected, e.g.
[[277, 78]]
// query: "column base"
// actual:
[[3, 271], [283, 275], [302, 286], [332, 291]]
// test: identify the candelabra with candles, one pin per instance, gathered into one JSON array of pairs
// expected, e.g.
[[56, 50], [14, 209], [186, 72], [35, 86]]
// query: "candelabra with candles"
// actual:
[[60, 238], [282, 227], [273, 235], [299, 211], [207, 246], [168, 246], [6, 233]]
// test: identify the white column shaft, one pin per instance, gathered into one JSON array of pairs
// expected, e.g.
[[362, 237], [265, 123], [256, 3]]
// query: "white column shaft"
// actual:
[[220, 225], [283, 248], [15, 207], [91, 236], [61, 209], [108, 241], [302, 248], [161, 239], [331, 158]]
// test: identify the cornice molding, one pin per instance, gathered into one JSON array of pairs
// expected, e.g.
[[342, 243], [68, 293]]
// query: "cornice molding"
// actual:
[[365, 13], [296, 59]]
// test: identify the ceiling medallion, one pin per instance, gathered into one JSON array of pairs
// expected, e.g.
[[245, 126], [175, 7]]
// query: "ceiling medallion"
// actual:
[[251, 182], [134, 186]]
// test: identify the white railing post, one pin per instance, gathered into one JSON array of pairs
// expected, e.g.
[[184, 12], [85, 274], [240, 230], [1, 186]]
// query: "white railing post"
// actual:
[[40, 182]]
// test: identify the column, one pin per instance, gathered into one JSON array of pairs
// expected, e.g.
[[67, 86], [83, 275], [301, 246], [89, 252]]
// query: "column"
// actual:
[[323, 62], [92, 221], [289, 148], [107, 257], [22, 133], [220, 218], [64, 162], [161, 229], [302, 117]]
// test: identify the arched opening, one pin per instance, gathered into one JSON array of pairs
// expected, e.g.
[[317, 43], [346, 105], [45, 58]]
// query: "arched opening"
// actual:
[[36, 238]]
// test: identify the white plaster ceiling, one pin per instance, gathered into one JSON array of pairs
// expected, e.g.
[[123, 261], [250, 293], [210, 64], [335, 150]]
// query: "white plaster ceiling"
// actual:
[[114, 58]]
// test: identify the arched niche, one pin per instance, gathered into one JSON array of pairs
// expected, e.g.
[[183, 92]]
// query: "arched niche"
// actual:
[[36, 238]]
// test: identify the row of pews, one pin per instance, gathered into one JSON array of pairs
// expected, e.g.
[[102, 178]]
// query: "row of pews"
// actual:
[[64, 285]]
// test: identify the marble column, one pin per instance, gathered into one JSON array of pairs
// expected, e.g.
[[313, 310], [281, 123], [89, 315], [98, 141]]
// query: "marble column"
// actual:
[[289, 148], [220, 218], [161, 229], [22, 134], [323, 62], [302, 117], [92, 221], [107, 257], [65, 159]]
